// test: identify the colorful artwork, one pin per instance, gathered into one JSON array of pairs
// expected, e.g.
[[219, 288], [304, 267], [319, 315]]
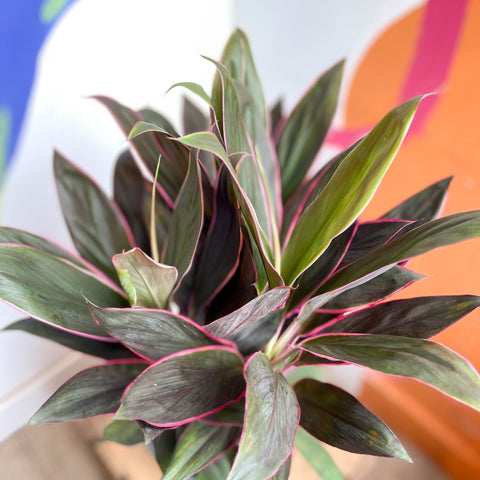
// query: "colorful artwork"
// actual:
[[23, 28]]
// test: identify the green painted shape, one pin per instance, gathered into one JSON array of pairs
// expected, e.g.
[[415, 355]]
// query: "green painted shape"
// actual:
[[51, 9]]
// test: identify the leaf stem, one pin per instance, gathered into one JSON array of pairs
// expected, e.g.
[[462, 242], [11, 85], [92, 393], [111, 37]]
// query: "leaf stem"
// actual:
[[153, 232]]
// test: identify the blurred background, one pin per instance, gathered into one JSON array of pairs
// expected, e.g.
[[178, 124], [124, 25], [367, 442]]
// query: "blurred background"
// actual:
[[55, 54]]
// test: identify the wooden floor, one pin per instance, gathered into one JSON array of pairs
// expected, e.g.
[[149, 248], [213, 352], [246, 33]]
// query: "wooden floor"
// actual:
[[74, 451]]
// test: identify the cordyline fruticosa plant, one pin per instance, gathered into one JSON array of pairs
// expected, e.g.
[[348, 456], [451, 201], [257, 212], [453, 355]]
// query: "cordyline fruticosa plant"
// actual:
[[221, 267]]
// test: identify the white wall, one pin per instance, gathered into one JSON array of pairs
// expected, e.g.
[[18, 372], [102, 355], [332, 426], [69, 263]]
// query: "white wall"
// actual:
[[134, 54]]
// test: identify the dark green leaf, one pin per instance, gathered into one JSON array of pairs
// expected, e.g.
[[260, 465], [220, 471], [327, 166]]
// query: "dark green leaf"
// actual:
[[421, 317], [221, 250], [129, 191], [199, 445], [164, 446], [53, 290], [153, 334], [124, 432], [186, 223], [335, 417], [424, 360], [425, 205], [254, 311], [306, 128], [217, 470], [94, 391], [147, 283], [106, 350], [426, 237], [232, 414], [316, 455], [370, 235], [271, 422], [184, 386], [374, 290], [11, 235], [347, 193], [95, 224]]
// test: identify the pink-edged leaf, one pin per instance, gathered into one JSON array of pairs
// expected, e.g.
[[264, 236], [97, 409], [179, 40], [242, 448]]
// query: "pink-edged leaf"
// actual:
[[154, 334], [421, 317], [186, 223], [306, 128], [96, 225], [123, 431], [271, 421], [370, 235], [12, 235], [196, 89], [424, 206], [184, 386], [310, 280], [52, 290], [151, 432], [221, 249], [209, 142], [374, 290], [315, 454], [147, 283], [232, 414], [94, 391], [437, 233], [218, 470], [97, 348], [129, 193], [146, 146], [347, 193], [254, 311], [335, 417], [200, 444], [424, 360]]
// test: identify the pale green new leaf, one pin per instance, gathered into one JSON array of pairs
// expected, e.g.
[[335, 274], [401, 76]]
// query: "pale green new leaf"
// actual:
[[424, 360], [147, 283], [347, 193], [272, 416]]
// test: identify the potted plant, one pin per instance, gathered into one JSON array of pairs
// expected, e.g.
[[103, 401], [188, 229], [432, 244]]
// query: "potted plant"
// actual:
[[222, 266]]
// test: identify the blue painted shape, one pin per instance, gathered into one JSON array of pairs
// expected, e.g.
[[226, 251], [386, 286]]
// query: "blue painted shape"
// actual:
[[22, 33]]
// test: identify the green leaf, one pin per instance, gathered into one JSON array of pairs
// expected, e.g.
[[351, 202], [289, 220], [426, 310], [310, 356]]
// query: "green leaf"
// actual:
[[106, 350], [232, 414], [306, 128], [221, 249], [316, 455], [196, 89], [335, 417], [11, 235], [425, 205], [254, 311], [421, 317], [199, 445], [154, 334], [129, 191], [437, 233], [217, 470], [347, 193], [210, 143], [94, 391], [424, 360], [95, 224], [53, 290], [164, 446], [376, 289], [283, 473], [146, 147], [238, 59], [271, 422], [184, 386], [186, 223], [124, 432], [147, 283]]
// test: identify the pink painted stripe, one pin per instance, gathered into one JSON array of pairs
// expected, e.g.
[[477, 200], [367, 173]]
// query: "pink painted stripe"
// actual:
[[435, 52]]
